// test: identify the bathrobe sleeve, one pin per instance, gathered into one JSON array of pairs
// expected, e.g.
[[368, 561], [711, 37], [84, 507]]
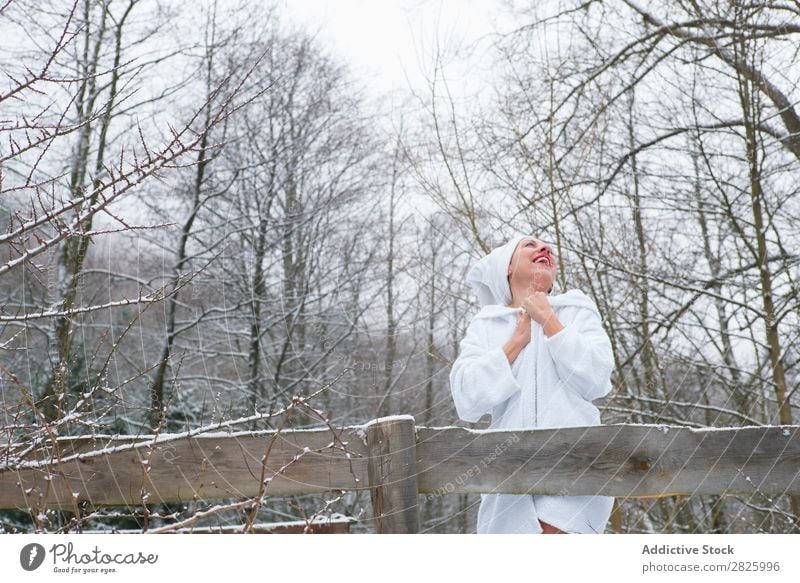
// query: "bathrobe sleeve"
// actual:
[[481, 378], [582, 354]]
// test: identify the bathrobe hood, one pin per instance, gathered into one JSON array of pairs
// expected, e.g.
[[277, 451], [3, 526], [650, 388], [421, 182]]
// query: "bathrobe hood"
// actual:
[[489, 277]]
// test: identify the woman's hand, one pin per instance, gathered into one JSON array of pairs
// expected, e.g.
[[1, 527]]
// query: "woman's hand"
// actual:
[[520, 338], [538, 307], [522, 334]]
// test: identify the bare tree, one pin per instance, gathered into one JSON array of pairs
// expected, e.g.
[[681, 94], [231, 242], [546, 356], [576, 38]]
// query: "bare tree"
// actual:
[[623, 138], [54, 208]]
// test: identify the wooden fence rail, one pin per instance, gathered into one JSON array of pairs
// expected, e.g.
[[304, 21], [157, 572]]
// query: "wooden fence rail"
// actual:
[[396, 461]]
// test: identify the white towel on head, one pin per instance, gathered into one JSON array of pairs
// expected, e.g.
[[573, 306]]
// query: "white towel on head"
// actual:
[[489, 277]]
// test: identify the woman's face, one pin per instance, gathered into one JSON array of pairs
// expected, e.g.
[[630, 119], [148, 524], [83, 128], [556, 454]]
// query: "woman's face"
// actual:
[[533, 265]]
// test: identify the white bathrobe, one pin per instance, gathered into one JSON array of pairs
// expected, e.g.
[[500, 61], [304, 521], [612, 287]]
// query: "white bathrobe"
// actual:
[[551, 383]]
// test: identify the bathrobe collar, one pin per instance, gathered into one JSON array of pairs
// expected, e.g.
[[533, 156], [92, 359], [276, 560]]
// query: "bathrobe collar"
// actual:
[[572, 297]]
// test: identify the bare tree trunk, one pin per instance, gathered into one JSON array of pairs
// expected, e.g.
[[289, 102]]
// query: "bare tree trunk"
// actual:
[[433, 356], [73, 251], [157, 402], [255, 384], [391, 321], [648, 356], [751, 113]]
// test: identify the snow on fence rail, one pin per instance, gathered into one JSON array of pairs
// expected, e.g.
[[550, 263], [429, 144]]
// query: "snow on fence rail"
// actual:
[[334, 524], [396, 461]]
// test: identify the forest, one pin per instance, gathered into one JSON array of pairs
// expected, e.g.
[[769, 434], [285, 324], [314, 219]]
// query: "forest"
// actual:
[[208, 222]]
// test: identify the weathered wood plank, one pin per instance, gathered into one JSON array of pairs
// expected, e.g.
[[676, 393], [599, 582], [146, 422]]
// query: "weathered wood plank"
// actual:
[[393, 474], [611, 460], [206, 466]]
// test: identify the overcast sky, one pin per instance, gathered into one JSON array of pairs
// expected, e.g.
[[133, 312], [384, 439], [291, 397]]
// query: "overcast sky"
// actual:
[[392, 41]]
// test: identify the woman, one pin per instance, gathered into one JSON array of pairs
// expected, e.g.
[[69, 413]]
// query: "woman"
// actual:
[[532, 360]]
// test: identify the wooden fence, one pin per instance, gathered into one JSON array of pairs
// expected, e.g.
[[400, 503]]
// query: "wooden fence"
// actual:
[[397, 460]]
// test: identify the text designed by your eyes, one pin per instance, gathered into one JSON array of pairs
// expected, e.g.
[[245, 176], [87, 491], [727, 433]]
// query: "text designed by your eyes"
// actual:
[[686, 550]]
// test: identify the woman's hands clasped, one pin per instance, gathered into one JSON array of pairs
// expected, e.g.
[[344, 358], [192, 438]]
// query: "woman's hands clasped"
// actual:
[[522, 335], [520, 338], [538, 307]]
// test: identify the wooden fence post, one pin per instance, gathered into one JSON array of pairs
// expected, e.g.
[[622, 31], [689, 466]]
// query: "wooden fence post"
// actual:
[[392, 470]]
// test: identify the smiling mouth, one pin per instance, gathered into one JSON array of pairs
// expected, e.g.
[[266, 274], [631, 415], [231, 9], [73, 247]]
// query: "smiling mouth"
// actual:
[[542, 260]]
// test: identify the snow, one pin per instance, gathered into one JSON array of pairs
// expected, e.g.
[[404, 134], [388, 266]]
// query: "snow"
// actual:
[[334, 517], [389, 418], [361, 432], [111, 444]]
